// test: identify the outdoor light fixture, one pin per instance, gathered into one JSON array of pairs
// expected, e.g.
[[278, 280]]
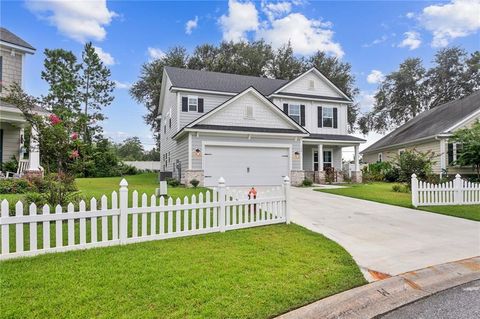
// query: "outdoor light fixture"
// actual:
[[197, 152], [297, 155]]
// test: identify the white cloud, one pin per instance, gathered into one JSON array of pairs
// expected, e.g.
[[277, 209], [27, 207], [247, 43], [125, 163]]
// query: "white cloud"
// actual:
[[105, 57], [190, 25], [411, 41], [274, 10], [366, 100], [410, 15], [155, 53], [122, 85], [241, 18], [78, 20], [382, 39], [456, 19], [306, 35], [375, 77]]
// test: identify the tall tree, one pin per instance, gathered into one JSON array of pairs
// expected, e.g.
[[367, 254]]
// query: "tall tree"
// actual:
[[340, 73], [61, 74], [284, 64], [469, 139], [146, 89], [131, 149], [400, 97], [203, 58], [96, 90]]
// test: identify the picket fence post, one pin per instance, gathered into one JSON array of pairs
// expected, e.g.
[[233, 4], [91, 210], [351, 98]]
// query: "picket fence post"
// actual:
[[123, 211], [414, 190], [457, 194], [221, 202], [286, 192]]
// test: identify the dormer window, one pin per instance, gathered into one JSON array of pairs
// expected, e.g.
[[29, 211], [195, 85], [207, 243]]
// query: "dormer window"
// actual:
[[311, 85], [192, 103]]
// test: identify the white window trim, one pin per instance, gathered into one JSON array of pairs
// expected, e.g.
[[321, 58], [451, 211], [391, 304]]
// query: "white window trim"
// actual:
[[195, 97], [324, 150], [400, 151], [380, 157], [299, 111], [327, 117]]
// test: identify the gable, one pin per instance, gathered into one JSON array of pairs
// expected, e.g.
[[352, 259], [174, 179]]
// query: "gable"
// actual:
[[265, 115], [302, 85]]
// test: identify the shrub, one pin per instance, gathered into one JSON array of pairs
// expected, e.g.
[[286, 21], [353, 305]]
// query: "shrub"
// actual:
[[11, 165], [307, 182], [36, 198], [194, 183], [172, 182], [392, 175], [60, 189], [399, 188], [377, 171], [15, 186], [414, 162]]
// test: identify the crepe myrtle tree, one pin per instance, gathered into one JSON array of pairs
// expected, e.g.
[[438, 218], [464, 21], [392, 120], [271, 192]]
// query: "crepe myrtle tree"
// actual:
[[58, 140], [468, 152]]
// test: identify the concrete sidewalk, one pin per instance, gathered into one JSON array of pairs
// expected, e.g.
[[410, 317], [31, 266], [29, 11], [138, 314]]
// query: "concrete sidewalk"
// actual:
[[386, 240], [386, 295]]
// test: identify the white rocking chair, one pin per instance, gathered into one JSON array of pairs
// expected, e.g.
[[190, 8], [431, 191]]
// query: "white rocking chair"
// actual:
[[22, 167]]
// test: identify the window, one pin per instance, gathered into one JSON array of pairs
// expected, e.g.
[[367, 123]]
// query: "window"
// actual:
[[1, 73], [327, 115], [170, 123], [311, 85], [249, 112], [454, 150], [380, 157], [294, 112], [401, 151], [327, 160], [192, 103]]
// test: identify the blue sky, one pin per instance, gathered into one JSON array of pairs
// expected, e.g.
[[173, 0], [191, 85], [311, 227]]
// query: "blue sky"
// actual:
[[374, 36]]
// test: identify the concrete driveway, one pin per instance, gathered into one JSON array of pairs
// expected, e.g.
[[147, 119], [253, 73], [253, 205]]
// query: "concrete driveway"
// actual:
[[384, 238]]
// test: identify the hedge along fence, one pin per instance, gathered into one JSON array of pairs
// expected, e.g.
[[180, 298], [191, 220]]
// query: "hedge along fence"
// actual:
[[456, 192], [119, 224]]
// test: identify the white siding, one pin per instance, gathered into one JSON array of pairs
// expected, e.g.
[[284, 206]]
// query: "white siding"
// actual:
[[311, 115], [233, 114], [210, 101], [11, 141], [167, 144], [302, 86]]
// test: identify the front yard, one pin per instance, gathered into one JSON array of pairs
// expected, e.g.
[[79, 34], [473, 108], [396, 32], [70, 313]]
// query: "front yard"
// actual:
[[250, 273], [382, 193]]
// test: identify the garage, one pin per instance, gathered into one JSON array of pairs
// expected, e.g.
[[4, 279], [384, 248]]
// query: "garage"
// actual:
[[246, 165]]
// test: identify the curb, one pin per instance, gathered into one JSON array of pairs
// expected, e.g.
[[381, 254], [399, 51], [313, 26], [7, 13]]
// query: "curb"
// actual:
[[385, 295]]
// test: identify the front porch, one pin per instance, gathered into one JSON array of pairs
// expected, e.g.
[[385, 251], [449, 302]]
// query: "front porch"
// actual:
[[328, 167]]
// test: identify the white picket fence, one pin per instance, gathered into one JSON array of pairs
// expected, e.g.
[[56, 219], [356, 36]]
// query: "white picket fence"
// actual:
[[456, 192], [42, 231]]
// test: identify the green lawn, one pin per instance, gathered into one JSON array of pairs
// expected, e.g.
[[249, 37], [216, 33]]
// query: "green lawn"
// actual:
[[382, 193], [251, 273], [96, 187]]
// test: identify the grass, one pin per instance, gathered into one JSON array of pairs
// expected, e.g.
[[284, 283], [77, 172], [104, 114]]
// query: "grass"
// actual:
[[96, 187], [251, 273], [382, 193]]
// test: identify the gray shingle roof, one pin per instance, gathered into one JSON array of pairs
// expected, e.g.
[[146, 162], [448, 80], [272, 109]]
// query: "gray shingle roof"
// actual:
[[314, 96], [430, 123], [335, 137], [222, 82], [7, 36]]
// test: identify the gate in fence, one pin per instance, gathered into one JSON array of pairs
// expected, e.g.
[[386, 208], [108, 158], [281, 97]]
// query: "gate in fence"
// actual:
[[456, 192], [117, 222]]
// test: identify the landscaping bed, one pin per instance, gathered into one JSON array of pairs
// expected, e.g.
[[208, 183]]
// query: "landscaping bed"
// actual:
[[250, 273], [383, 193]]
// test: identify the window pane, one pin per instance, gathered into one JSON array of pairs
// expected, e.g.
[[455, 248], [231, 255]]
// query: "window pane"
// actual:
[[327, 122], [328, 112], [296, 118], [294, 109], [327, 157]]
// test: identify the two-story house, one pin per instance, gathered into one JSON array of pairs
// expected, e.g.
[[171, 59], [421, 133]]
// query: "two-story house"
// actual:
[[252, 130], [13, 51]]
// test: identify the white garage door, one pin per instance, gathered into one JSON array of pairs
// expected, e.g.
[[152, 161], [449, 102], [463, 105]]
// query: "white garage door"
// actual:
[[245, 166]]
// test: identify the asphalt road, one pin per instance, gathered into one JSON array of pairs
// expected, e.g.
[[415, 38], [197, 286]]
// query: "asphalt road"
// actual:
[[461, 302]]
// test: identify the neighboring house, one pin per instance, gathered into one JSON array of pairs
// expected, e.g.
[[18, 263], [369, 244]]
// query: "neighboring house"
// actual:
[[429, 132], [13, 51], [252, 130]]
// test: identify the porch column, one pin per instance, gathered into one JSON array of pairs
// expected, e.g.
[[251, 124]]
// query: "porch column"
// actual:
[[356, 174], [320, 174], [357, 158], [34, 156], [320, 157]]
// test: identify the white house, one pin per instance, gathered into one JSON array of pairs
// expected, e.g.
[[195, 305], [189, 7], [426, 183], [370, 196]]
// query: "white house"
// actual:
[[252, 130], [13, 51]]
